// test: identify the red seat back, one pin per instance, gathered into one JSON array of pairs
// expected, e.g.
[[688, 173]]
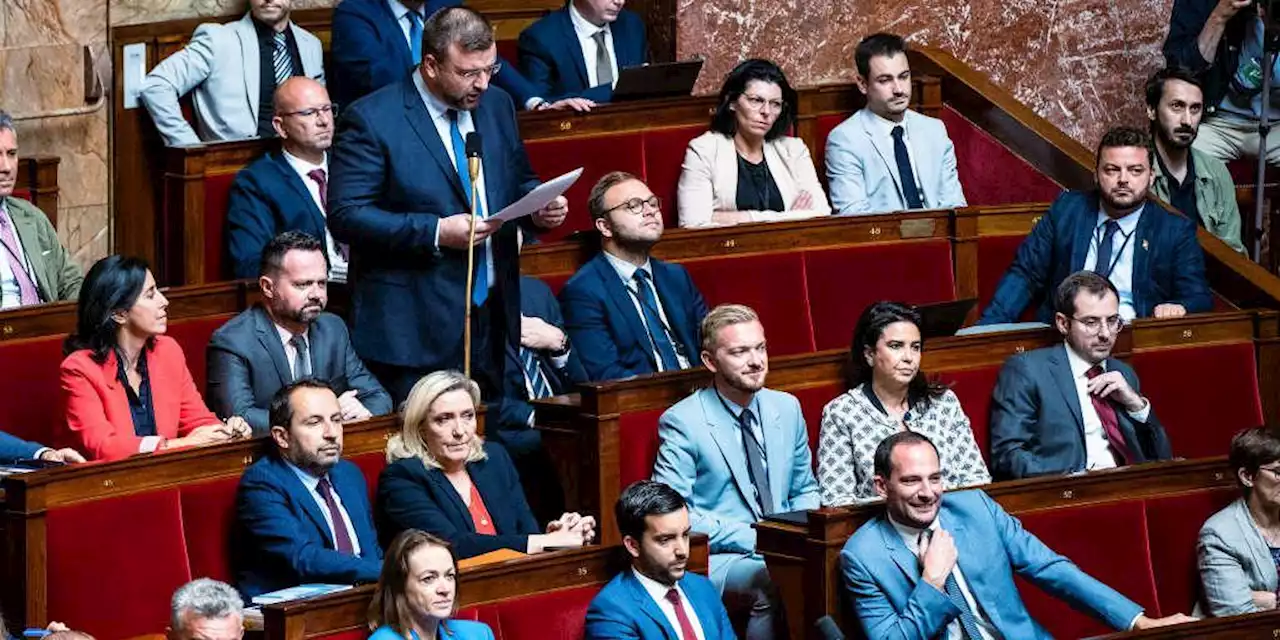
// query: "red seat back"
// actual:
[[1174, 523], [24, 194], [193, 336], [208, 516], [36, 416], [973, 388], [822, 127], [812, 401], [995, 254], [1175, 381], [977, 151], [663, 161], [554, 615], [556, 282], [217, 193], [772, 284], [637, 445], [597, 155], [371, 465]]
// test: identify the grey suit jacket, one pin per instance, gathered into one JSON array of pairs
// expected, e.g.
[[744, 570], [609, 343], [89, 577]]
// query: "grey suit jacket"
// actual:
[[57, 274], [1234, 561], [247, 366], [863, 173], [220, 65]]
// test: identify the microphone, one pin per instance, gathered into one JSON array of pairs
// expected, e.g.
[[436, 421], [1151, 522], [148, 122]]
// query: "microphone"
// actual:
[[473, 155], [827, 629]]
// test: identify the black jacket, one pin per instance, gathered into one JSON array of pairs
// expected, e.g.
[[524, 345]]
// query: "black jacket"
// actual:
[[1181, 49]]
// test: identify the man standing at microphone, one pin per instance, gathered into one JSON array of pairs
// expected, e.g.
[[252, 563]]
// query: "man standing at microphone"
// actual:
[[400, 197]]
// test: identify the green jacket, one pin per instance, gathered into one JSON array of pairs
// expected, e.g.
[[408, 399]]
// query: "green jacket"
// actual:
[[57, 275], [1215, 197]]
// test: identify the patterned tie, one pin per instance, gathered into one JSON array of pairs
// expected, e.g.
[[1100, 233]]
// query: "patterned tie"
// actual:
[[968, 623], [1104, 264], [604, 68], [908, 177], [686, 626], [534, 375], [415, 36], [481, 291], [302, 361], [1110, 423], [341, 539], [28, 294], [280, 59], [653, 320], [756, 461], [322, 181]]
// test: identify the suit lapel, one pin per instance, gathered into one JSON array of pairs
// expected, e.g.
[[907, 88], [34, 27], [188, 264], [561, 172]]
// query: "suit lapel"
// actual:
[[885, 152], [648, 606], [251, 62], [391, 27], [269, 338], [443, 487], [1083, 237], [777, 453], [666, 285], [303, 497], [724, 430], [617, 294], [491, 145], [902, 557], [420, 120], [1142, 255], [1060, 369], [570, 36], [320, 354], [353, 500], [780, 172], [27, 238], [291, 178]]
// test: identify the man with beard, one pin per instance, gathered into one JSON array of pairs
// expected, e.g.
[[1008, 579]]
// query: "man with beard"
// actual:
[[629, 314], [935, 566], [1151, 256], [287, 190], [1194, 182], [302, 512], [737, 452], [1073, 407], [886, 157], [233, 71], [657, 596], [400, 196], [286, 337]]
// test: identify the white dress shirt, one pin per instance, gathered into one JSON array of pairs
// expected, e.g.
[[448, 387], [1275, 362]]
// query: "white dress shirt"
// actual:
[[627, 272], [1098, 452], [10, 294], [658, 592], [1122, 244], [440, 119], [757, 429], [885, 127], [586, 39], [312, 484], [911, 537], [403, 21], [337, 264], [291, 352]]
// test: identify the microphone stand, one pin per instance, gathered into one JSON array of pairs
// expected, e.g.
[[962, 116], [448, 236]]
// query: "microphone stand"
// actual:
[[473, 170]]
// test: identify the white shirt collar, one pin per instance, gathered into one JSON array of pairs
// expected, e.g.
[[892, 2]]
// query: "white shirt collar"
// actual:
[[655, 589], [1127, 223], [886, 125], [309, 481], [1079, 366], [435, 106], [287, 335], [625, 269], [581, 25], [304, 167], [399, 10], [911, 535]]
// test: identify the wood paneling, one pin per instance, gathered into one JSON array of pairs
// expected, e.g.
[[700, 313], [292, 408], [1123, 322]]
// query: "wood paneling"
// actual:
[[38, 176]]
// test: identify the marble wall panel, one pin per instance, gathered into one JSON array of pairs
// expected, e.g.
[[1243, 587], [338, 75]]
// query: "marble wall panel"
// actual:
[[142, 11]]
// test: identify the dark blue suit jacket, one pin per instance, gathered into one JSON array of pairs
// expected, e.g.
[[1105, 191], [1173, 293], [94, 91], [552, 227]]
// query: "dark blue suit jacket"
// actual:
[[15, 448], [368, 51], [391, 182], [1168, 264], [607, 330], [1037, 426], [552, 60], [282, 539], [623, 609], [410, 496], [267, 198]]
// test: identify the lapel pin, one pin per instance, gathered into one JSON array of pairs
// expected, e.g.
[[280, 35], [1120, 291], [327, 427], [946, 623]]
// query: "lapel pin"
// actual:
[[1146, 245]]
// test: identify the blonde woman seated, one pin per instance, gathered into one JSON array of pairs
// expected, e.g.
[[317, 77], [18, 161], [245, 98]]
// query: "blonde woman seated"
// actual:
[[889, 393], [443, 478], [746, 168], [417, 594]]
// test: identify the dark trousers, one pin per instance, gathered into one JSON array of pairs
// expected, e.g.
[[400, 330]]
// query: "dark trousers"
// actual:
[[488, 356]]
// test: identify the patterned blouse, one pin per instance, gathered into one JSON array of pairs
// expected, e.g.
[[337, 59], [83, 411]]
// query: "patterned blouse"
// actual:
[[854, 423]]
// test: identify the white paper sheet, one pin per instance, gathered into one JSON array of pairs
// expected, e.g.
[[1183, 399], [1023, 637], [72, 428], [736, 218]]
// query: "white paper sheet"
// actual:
[[540, 197]]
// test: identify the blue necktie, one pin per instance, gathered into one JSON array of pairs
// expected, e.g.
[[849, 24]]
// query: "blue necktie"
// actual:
[[905, 174], [534, 374], [481, 291], [968, 622], [1103, 266], [415, 37], [657, 330]]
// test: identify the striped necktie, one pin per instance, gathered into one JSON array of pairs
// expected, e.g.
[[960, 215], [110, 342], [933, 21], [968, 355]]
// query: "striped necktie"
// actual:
[[534, 375], [280, 59]]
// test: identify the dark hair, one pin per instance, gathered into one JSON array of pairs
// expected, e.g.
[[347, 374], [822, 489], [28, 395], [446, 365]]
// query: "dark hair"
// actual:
[[877, 44], [113, 284], [273, 254], [724, 121], [883, 460], [280, 413], [595, 201], [1064, 299], [1155, 84], [1252, 448], [1125, 137], [644, 498], [390, 605], [870, 327], [470, 30]]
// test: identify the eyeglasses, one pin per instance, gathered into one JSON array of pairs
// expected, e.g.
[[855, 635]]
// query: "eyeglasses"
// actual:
[[1093, 326], [474, 74], [760, 104], [1275, 473], [328, 109], [635, 206]]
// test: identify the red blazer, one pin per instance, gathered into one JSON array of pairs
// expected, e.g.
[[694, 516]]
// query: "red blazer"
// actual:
[[97, 406]]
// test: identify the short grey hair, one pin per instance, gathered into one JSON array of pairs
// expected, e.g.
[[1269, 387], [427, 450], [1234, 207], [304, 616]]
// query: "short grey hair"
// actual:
[[6, 121], [206, 598]]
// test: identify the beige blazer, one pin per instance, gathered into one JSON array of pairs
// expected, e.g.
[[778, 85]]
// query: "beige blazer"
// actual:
[[709, 180]]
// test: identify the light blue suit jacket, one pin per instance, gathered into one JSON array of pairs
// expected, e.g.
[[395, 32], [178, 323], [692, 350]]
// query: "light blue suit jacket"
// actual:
[[892, 602], [863, 174], [701, 456], [14, 448], [624, 610], [450, 630], [1234, 562]]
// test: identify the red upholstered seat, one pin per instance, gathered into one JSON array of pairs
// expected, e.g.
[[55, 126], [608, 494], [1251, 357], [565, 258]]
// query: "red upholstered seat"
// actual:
[[208, 515], [1174, 523], [507, 50], [556, 282], [354, 634], [31, 412], [193, 335], [113, 564], [995, 254], [217, 191], [555, 615], [637, 444], [844, 281], [486, 613], [990, 174], [371, 465], [597, 155], [973, 388], [25, 194], [1108, 542], [1202, 395], [812, 401], [663, 159], [822, 127], [772, 284]]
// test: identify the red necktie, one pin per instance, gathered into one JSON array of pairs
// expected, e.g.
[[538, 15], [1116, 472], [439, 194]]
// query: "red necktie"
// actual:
[[341, 539], [1110, 424], [686, 627], [322, 181]]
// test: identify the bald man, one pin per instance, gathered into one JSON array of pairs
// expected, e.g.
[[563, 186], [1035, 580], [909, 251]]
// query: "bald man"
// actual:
[[287, 190]]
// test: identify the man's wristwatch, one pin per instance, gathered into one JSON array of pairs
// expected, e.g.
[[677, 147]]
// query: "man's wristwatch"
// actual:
[[563, 349]]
